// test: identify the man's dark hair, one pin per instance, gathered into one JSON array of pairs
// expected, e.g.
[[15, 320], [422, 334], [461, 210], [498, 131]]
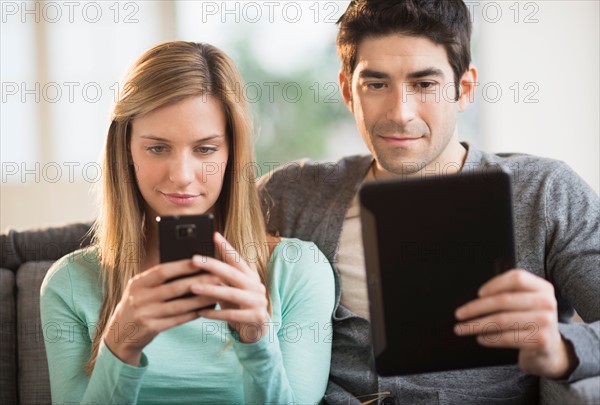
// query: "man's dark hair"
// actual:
[[445, 22]]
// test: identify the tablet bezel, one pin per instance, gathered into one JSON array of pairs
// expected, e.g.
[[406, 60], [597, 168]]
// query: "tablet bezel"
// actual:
[[481, 200]]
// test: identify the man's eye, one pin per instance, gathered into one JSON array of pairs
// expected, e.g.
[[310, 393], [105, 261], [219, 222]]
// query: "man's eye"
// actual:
[[375, 86], [425, 85]]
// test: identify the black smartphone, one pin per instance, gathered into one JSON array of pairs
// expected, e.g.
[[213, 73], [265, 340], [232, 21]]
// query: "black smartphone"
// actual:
[[183, 236]]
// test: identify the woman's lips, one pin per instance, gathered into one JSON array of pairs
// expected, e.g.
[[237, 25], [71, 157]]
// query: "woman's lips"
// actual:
[[181, 199]]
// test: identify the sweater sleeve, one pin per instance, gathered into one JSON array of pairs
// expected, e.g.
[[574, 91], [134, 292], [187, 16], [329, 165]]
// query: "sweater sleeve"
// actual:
[[68, 343], [291, 363], [573, 262]]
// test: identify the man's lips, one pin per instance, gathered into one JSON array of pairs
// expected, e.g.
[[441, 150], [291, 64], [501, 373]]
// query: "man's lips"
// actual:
[[181, 199], [400, 140]]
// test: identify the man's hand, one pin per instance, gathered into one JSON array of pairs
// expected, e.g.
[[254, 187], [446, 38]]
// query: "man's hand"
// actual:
[[517, 309]]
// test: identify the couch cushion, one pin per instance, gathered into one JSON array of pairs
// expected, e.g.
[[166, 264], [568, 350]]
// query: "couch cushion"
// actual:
[[33, 245], [8, 338], [34, 383]]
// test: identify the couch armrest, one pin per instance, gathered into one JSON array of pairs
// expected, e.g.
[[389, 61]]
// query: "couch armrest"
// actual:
[[586, 391]]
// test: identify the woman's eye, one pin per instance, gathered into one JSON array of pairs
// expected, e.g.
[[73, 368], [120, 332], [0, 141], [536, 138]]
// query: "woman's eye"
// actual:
[[156, 149], [206, 150]]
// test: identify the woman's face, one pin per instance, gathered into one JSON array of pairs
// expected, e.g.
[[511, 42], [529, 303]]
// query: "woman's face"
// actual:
[[180, 154]]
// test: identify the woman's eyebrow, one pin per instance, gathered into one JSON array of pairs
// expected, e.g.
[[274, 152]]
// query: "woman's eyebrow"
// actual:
[[160, 139]]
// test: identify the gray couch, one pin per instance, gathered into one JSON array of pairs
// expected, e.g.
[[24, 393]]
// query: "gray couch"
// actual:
[[24, 259]]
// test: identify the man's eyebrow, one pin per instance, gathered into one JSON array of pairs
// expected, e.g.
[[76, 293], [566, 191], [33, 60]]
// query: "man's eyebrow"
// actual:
[[426, 72], [372, 74], [159, 139], [376, 74]]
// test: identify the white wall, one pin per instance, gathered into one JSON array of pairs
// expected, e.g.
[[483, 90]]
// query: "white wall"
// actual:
[[559, 57], [25, 206], [52, 129]]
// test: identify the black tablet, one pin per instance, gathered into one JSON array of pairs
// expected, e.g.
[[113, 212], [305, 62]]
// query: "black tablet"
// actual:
[[429, 245]]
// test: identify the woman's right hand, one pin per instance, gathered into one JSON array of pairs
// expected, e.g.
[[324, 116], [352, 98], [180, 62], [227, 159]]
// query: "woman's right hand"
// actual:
[[150, 305]]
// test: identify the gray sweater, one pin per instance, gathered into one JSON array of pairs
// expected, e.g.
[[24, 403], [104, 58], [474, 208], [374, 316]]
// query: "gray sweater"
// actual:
[[557, 234]]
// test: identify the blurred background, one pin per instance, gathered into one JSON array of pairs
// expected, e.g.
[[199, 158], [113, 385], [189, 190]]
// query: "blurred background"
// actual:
[[61, 63]]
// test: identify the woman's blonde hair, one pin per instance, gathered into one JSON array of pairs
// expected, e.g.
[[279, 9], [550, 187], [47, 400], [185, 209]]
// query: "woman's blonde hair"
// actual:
[[166, 74]]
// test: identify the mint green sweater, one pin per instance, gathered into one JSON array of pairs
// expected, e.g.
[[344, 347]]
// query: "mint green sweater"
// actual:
[[200, 361]]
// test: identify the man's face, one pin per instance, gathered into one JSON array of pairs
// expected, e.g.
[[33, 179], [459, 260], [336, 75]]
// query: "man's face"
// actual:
[[403, 98]]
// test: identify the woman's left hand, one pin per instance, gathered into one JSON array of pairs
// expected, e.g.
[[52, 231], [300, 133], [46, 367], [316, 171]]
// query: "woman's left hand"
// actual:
[[243, 298]]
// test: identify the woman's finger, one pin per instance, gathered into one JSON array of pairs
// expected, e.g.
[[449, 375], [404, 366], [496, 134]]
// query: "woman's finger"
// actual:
[[248, 317], [177, 307], [227, 273], [162, 324], [175, 288], [236, 296], [230, 255], [160, 273]]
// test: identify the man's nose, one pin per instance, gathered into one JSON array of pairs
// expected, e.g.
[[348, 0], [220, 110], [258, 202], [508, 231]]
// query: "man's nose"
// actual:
[[403, 104]]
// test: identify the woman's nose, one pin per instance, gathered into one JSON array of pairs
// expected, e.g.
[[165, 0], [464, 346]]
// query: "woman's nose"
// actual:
[[181, 171]]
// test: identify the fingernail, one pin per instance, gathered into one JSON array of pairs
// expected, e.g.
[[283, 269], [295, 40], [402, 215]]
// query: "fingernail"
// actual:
[[198, 259], [459, 313], [457, 329]]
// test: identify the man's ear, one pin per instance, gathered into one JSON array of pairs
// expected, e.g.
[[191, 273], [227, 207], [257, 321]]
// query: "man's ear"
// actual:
[[468, 84], [346, 90]]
